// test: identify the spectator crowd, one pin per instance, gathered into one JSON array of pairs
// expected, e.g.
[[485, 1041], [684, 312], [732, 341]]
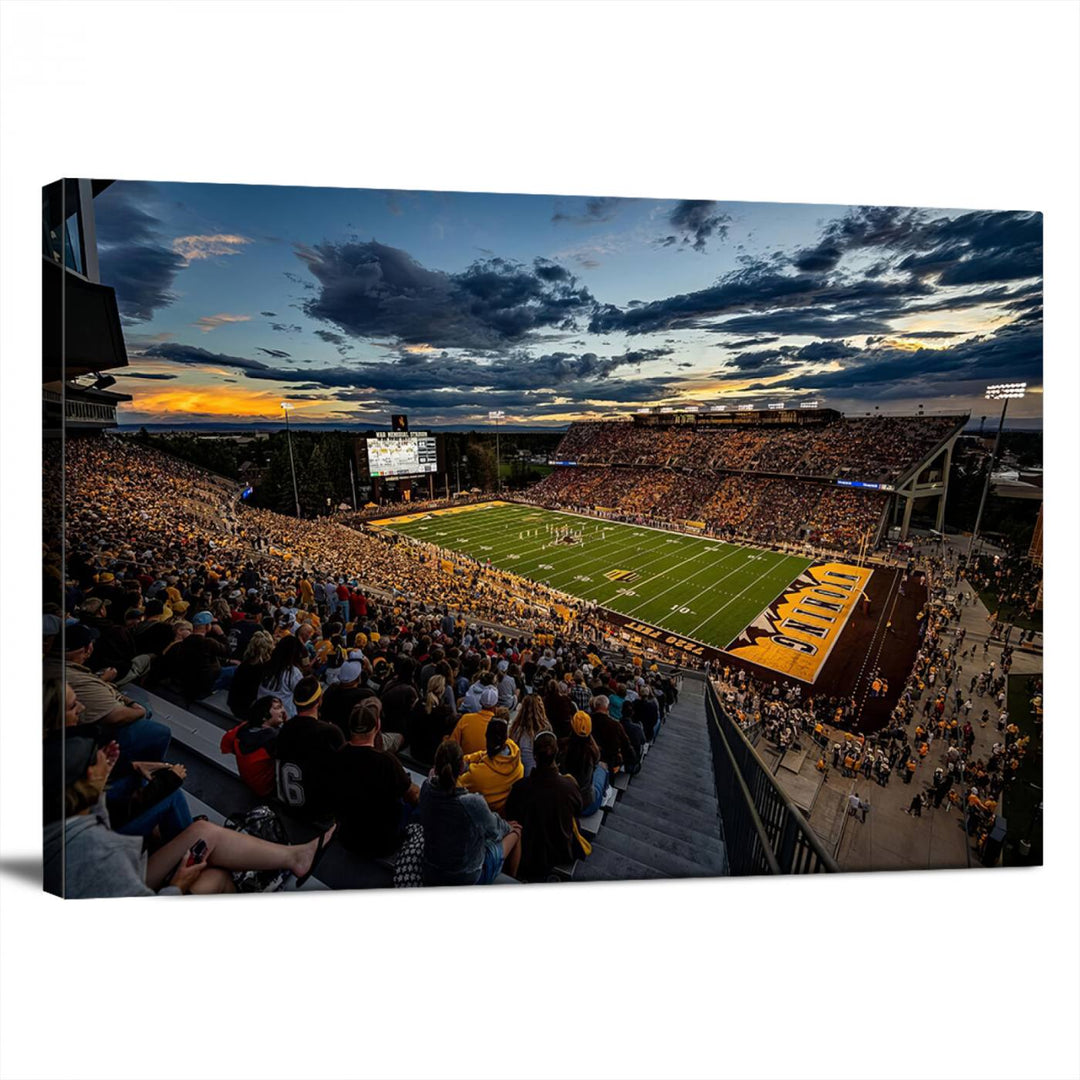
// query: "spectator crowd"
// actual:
[[875, 448], [345, 658]]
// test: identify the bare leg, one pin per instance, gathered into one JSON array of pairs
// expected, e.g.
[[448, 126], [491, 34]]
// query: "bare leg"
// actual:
[[231, 851], [213, 880], [511, 853]]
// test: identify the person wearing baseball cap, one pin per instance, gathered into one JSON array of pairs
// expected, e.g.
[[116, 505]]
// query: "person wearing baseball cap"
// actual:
[[343, 695], [373, 794], [581, 760], [304, 750], [196, 661], [470, 731]]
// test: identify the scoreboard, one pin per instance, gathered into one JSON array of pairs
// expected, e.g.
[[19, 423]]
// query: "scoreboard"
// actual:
[[398, 453]]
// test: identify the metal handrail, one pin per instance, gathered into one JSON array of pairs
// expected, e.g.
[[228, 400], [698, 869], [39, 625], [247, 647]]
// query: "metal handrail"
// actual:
[[764, 830]]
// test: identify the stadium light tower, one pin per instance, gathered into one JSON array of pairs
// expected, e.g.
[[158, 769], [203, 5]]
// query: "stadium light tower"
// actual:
[[287, 407], [497, 415], [1003, 392]]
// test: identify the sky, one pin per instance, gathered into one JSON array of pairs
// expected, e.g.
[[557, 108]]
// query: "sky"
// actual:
[[352, 304]]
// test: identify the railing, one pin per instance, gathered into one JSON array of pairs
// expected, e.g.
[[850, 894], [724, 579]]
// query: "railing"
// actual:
[[763, 829]]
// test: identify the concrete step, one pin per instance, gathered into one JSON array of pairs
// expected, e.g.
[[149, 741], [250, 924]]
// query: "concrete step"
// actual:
[[608, 865], [697, 763], [658, 857], [710, 860], [669, 809], [680, 830], [679, 798]]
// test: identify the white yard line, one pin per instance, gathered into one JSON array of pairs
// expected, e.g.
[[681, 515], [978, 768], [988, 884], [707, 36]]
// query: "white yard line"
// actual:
[[768, 571], [684, 580]]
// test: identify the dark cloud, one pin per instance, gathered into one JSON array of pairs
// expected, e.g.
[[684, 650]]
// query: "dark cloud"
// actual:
[[277, 354], [286, 328], [862, 227], [823, 257], [339, 342], [269, 314], [695, 222], [192, 354], [1014, 352], [740, 290], [745, 343], [371, 289], [133, 258], [808, 322], [427, 372], [979, 247], [146, 375], [594, 212], [783, 301], [753, 361], [825, 350], [547, 270]]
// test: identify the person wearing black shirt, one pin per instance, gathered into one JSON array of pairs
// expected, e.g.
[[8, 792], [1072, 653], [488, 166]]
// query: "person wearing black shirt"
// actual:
[[344, 695], [398, 697], [547, 804], [197, 663], [244, 688], [372, 793], [615, 746], [152, 636], [304, 751], [430, 721]]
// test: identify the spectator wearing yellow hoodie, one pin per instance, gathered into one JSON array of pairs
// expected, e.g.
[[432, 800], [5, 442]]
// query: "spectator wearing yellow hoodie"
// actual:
[[493, 771]]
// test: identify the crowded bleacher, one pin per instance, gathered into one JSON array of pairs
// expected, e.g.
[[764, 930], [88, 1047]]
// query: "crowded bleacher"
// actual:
[[762, 511], [725, 480], [878, 448], [346, 659]]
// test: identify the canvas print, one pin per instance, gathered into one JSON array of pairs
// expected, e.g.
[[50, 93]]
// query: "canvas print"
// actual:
[[429, 538]]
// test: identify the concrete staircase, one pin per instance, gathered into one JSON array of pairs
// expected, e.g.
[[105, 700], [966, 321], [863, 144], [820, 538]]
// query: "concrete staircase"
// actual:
[[666, 823]]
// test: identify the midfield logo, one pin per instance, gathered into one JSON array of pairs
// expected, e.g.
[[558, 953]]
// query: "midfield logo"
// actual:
[[621, 575]]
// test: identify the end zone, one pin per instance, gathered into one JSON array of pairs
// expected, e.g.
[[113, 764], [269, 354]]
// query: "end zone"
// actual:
[[796, 632], [404, 519]]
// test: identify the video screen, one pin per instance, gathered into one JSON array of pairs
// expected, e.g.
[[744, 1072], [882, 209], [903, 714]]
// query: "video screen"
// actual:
[[402, 455]]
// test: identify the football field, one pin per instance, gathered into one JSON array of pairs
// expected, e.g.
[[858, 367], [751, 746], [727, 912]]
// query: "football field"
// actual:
[[699, 588]]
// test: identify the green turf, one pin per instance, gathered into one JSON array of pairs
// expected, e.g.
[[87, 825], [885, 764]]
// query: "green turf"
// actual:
[[699, 588]]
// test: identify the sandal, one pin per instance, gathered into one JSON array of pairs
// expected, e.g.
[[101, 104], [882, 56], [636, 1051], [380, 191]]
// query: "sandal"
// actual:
[[320, 851]]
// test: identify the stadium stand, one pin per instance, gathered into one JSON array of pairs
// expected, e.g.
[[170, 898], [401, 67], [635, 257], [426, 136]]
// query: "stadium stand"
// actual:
[[763, 484], [198, 606], [881, 448]]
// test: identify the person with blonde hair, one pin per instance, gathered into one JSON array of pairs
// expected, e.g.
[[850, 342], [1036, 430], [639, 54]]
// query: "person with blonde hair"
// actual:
[[245, 684], [430, 721], [530, 720]]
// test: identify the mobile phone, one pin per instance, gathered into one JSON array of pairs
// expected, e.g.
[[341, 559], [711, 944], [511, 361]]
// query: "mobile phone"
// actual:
[[198, 853]]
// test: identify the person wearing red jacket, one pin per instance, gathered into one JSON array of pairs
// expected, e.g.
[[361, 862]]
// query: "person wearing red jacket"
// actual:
[[251, 742]]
